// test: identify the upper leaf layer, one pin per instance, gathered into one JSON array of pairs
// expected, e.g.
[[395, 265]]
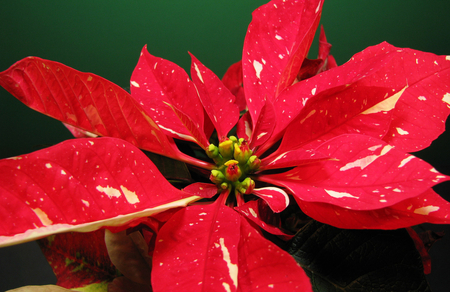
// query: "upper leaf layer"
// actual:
[[277, 41], [84, 100], [157, 83], [400, 95], [80, 185], [218, 101]]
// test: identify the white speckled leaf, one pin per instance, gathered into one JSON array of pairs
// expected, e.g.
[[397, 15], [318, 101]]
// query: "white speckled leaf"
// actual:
[[395, 94], [80, 185], [156, 82], [212, 248], [277, 41], [218, 101], [365, 174], [85, 101], [196, 250], [428, 207]]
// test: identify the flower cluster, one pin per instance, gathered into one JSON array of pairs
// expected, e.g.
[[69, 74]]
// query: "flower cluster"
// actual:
[[278, 130]]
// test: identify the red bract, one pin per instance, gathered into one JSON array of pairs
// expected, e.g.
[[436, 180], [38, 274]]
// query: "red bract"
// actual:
[[333, 138]]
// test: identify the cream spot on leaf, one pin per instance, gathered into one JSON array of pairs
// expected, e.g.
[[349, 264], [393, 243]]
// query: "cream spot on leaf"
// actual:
[[401, 131], [258, 68], [42, 216], [446, 98], [406, 160], [232, 268], [131, 197], [339, 195], [199, 74], [386, 105], [109, 191], [426, 210]]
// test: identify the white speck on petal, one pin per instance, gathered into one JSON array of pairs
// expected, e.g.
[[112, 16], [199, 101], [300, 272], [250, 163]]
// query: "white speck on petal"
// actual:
[[186, 137], [447, 58], [339, 195], [226, 286], [426, 210], [48, 165], [199, 74], [253, 212], [309, 115], [361, 163], [373, 148], [15, 158], [110, 191], [131, 197], [422, 98], [304, 100], [135, 84], [278, 37], [86, 203], [42, 216], [313, 91], [232, 268], [260, 135], [401, 131], [318, 7], [446, 98], [406, 160], [279, 157], [386, 105], [258, 68]]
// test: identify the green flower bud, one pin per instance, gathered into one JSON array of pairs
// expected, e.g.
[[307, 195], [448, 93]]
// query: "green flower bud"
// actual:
[[253, 163], [226, 149], [246, 186], [217, 176], [241, 152]]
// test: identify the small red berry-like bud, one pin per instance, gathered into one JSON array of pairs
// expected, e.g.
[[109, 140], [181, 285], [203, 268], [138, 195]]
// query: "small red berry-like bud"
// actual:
[[233, 171]]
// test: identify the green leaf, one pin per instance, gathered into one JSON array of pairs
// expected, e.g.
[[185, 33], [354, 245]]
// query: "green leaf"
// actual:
[[173, 170], [358, 260], [79, 259]]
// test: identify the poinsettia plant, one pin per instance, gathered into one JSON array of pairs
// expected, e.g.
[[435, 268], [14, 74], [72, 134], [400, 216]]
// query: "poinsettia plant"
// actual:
[[271, 178]]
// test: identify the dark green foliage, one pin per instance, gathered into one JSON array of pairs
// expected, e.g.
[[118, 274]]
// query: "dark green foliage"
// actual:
[[358, 260]]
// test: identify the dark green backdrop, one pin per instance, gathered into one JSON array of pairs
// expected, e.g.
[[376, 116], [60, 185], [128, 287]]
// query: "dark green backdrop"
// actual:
[[105, 37]]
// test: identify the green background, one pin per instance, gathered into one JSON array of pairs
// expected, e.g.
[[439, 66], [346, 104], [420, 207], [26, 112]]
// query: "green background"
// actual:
[[105, 38]]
